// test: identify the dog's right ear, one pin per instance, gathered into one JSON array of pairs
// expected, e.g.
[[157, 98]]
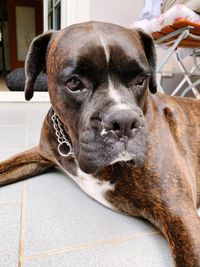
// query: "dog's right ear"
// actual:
[[36, 61]]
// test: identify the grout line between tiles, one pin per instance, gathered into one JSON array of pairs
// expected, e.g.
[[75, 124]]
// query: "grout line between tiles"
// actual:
[[54, 252], [22, 221]]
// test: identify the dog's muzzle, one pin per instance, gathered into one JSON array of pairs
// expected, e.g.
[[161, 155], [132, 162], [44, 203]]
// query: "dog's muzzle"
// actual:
[[117, 135]]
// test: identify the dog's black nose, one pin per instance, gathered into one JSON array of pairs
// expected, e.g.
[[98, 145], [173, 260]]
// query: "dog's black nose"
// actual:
[[123, 122]]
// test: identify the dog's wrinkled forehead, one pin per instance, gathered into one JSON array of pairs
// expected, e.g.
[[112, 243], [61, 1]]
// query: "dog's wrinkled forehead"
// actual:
[[95, 50], [90, 46]]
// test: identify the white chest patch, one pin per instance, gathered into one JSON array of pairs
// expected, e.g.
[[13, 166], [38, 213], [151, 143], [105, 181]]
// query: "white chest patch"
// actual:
[[92, 186]]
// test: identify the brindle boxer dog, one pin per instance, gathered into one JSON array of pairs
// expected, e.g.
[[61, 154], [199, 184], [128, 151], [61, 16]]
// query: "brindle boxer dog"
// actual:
[[134, 151]]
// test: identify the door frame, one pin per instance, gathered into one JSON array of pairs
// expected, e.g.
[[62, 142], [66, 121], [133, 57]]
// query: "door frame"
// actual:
[[72, 11], [14, 62]]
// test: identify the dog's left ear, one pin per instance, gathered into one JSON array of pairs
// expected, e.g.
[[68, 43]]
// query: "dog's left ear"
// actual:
[[35, 61], [150, 52]]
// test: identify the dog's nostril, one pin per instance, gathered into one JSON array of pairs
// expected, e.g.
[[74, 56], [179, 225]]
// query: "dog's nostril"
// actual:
[[136, 124], [116, 126], [133, 126]]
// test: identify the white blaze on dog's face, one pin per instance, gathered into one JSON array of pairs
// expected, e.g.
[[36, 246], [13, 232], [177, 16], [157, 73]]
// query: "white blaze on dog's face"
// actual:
[[101, 82]]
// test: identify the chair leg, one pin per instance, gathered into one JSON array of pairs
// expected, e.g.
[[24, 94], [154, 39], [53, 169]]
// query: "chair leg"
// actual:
[[173, 48], [186, 79], [187, 89], [178, 87], [183, 34]]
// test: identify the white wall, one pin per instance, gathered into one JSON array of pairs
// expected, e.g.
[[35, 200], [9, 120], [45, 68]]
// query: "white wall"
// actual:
[[74, 11], [122, 12]]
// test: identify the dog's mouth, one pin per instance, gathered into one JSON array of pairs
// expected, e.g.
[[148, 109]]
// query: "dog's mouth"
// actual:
[[96, 151]]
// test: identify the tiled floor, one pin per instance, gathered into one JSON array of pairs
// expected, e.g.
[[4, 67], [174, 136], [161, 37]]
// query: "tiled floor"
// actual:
[[49, 221]]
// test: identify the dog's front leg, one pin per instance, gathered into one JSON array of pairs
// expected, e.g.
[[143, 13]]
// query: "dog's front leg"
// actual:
[[22, 166], [181, 226]]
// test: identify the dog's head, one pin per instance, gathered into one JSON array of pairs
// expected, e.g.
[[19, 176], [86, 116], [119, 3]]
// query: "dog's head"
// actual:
[[99, 75]]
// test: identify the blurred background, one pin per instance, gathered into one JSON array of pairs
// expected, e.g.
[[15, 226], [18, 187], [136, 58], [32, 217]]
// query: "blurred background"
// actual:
[[22, 20]]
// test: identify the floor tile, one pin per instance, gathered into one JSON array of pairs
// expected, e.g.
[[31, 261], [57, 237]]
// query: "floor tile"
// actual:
[[10, 193], [60, 214], [5, 154], [9, 234], [33, 139], [150, 251], [18, 113], [12, 138], [37, 114], [13, 114]]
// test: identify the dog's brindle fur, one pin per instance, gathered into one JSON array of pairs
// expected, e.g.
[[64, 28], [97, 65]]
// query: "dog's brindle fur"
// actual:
[[160, 179]]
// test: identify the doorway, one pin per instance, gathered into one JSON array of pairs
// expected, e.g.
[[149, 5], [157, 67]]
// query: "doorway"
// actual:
[[25, 21], [20, 22]]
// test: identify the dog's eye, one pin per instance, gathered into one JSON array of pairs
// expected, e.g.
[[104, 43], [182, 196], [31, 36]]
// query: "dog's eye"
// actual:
[[140, 80], [74, 84]]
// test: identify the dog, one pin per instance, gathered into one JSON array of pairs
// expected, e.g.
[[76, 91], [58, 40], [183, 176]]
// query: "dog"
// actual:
[[129, 147]]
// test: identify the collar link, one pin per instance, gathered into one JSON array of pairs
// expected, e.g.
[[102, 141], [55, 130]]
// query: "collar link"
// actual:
[[64, 147]]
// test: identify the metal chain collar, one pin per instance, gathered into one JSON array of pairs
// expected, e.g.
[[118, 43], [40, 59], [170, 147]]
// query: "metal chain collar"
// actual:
[[63, 143]]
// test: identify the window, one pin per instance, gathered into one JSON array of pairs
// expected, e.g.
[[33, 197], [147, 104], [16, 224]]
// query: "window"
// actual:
[[54, 14]]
